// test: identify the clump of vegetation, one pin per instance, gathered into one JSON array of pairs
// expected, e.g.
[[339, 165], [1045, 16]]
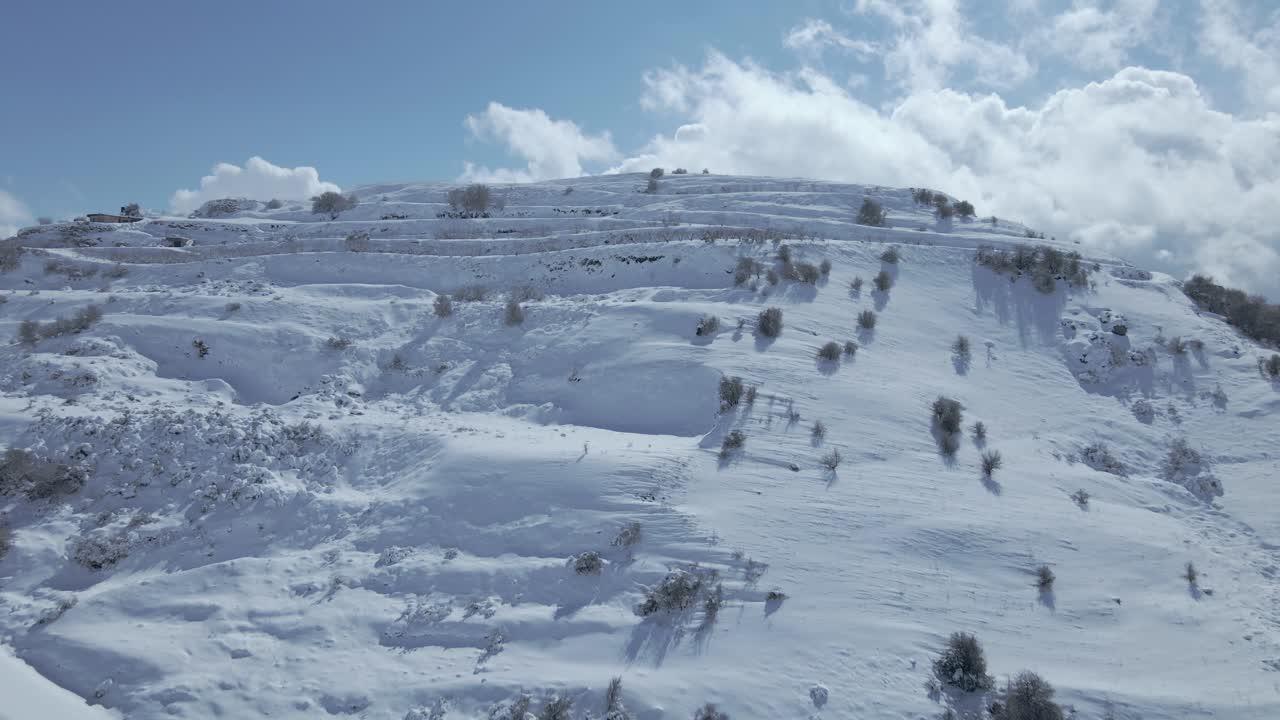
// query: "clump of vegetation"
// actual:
[[678, 591], [772, 277], [1272, 366], [588, 563], [991, 461], [356, 242], [6, 540], [115, 272], [850, 348], [890, 255], [979, 431], [1176, 345], [1181, 461], [30, 331], [830, 351], [442, 306], [628, 536], [559, 707], [709, 712], [769, 322], [964, 209], [867, 319], [824, 267], [1027, 697], [832, 460], [338, 343], [807, 273], [22, 471], [963, 664], [1081, 497], [883, 281], [960, 349], [855, 285], [1097, 455], [10, 255], [1251, 314], [202, 350], [733, 441], [512, 313], [871, 213], [656, 173], [746, 269], [333, 203], [947, 414], [474, 200], [470, 293], [1190, 574], [750, 397], [274, 204], [819, 430], [707, 325], [731, 391], [1044, 578], [784, 253], [1043, 263]]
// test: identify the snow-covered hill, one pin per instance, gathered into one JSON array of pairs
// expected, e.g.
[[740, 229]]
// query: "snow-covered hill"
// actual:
[[270, 481]]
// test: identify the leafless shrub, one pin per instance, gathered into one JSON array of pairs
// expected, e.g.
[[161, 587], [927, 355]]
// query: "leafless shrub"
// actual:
[[784, 253], [470, 293], [628, 536], [769, 322], [832, 460], [1081, 497], [1190, 574], [679, 590], [731, 389], [824, 267], [1027, 697], [855, 285], [883, 281], [614, 709], [960, 349], [559, 707], [707, 325], [333, 204], [871, 213], [473, 199], [1182, 460], [1176, 345], [867, 319], [442, 306], [750, 396], [338, 343], [850, 348], [29, 333], [746, 269], [202, 350], [733, 441], [819, 430], [709, 712], [357, 242], [512, 313], [771, 276], [991, 462], [963, 664], [1272, 366], [830, 351], [891, 255], [947, 415], [979, 431], [1044, 578], [526, 293], [651, 187], [588, 563], [807, 273], [1097, 455]]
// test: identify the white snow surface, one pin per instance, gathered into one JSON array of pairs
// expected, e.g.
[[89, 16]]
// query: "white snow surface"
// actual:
[[284, 527]]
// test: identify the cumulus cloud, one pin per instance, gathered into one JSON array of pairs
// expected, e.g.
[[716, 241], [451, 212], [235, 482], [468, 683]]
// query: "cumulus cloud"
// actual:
[[1254, 53], [550, 148], [1138, 164], [934, 40], [13, 214], [257, 180], [1097, 37], [813, 36]]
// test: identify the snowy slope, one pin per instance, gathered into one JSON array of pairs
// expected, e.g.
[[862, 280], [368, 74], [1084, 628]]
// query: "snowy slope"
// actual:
[[274, 522]]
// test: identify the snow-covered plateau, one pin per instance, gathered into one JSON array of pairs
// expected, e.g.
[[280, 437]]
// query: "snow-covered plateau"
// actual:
[[408, 464]]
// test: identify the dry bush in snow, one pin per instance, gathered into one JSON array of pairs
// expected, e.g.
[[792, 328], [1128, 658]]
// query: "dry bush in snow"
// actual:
[[559, 707], [960, 349], [832, 460], [628, 536], [807, 273], [512, 313], [1081, 497], [891, 255], [850, 348], [746, 269], [709, 712], [333, 204], [867, 319], [883, 281], [679, 590], [707, 325], [470, 293], [830, 351], [855, 285], [769, 322], [442, 307], [588, 563], [824, 267], [473, 199], [1027, 697], [338, 343], [819, 430], [1097, 455], [963, 664], [979, 431], [731, 390], [733, 441], [525, 293], [1190, 574], [1044, 578], [871, 213], [991, 462], [357, 242]]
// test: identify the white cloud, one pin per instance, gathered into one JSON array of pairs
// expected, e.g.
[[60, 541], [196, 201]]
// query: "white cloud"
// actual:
[[257, 180], [1255, 55], [933, 39], [814, 36], [1138, 164], [13, 214], [1099, 38], [550, 148]]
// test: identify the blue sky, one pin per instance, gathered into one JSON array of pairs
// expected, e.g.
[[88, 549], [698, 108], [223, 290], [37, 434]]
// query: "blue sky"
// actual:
[[1146, 128]]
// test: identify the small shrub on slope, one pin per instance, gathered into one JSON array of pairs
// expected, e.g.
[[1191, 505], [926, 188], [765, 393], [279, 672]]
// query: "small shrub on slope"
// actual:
[[871, 213], [991, 461], [512, 313], [960, 349], [855, 285], [709, 712], [824, 267], [1027, 697], [867, 320], [1190, 574], [807, 273], [442, 307], [333, 204], [891, 255], [829, 352], [588, 563], [746, 269], [769, 322], [947, 414], [470, 293], [678, 591], [832, 460], [1098, 456], [819, 430], [1044, 578], [963, 664], [979, 431], [883, 281], [559, 707], [733, 441], [628, 536], [850, 348], [707, 325], [1272, 366], [731, 389]]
